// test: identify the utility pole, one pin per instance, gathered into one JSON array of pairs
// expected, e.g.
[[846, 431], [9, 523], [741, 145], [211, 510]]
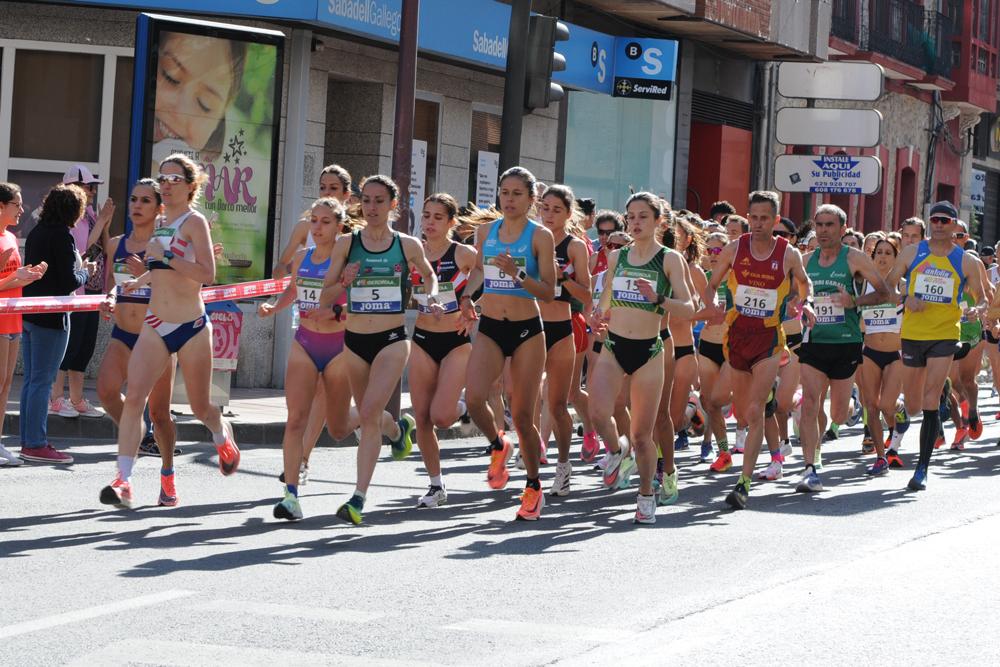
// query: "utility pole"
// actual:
[[513, 86], [402, 136]]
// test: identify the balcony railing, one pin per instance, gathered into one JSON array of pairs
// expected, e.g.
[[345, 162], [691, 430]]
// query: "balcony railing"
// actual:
[[844, 20], [897, 29], [941, 49]]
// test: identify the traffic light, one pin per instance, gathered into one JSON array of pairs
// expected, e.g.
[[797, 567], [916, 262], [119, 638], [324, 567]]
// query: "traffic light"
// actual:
[[543, 60]]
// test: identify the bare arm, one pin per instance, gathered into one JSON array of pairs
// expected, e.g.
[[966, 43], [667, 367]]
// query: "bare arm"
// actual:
[[202, 270], [680, 304], [414, 252], [288, 296], [578, 285], [300, 233], [333, 286], [862, 265]]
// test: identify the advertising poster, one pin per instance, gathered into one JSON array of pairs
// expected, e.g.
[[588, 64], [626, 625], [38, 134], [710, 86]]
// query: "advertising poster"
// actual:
[[418, 184], [212, 93], [486, 179]]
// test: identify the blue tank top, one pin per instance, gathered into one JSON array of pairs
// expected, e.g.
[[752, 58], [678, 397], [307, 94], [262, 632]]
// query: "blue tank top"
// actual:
[[309, 281], [496, 281], [122, 275]]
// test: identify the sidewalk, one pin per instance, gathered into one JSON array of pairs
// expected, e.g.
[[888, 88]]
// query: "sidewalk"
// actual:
[[257, 416]]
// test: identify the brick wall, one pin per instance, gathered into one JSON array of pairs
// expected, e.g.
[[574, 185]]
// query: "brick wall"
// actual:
[[750, 16]]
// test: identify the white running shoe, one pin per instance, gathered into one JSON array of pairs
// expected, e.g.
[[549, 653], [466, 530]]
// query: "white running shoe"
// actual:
[[303, 473], [62, 407], [9, 458], [560, 484], [611, 469], [435, 497], [645, 509], [786, 448], [741, 440], [518, 461], [85, 409], [771, 472], [602, 463]]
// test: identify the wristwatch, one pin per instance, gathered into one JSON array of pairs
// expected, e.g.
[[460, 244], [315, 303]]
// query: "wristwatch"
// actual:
[[660, 298], [167, 256], [522, 275]]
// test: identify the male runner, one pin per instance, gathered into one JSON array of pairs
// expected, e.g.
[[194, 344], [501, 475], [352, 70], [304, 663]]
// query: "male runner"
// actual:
[[759, 268], [936, 272], [831, 346]]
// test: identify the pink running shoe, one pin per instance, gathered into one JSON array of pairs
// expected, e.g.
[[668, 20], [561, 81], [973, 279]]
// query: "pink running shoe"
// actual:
[[118, 493], [591, 447]]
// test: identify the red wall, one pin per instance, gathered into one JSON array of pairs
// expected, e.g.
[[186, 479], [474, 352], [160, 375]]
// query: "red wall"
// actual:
[[719, 166]]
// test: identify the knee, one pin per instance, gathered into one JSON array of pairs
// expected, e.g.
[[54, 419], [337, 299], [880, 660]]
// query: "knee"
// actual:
[[524, 419], [641, 442], [107, 392], [370, 414], [810, 406], [297, 420], [441, 417], [559, 407], [477, 396], [338, 432]]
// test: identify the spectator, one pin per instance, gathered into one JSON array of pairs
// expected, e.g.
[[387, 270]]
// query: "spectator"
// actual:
[[13, 277], [720, 211], [988, 255], [90, 235], [46, 334]]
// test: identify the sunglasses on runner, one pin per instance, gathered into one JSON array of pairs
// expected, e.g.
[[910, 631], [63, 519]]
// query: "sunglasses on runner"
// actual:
[[941, 221], [960, 235], [604, 232], [615, 246], [778, 232], [173, 179], [714, 251]]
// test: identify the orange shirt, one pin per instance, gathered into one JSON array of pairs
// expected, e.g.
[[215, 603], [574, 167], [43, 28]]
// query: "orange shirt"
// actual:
[[10, 323]]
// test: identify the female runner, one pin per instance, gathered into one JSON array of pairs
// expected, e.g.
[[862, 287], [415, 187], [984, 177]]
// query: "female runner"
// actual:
[[181, 259], [373, 264], [129, 311], [315, 357], [516, 267], [711, 360], [573, 280], [646, 281], [439, 354]]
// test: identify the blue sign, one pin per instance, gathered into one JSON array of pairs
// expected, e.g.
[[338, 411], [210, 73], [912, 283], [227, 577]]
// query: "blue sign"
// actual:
[[590, 58], [304, 10], [645, 68]]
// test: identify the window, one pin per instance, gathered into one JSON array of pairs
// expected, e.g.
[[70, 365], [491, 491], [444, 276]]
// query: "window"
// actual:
[[984, 20], [485, 137], [426, 120]]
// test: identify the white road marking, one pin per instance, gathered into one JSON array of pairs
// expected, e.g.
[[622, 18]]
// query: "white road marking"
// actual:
[[289, 611], [87, 613], [183, 654], [542, 630]]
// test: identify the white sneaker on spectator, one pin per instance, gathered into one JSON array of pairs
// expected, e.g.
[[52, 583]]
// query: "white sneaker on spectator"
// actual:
[[10, 457], [85, 409], [62, 407]]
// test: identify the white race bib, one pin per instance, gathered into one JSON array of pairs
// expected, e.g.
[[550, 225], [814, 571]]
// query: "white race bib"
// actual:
[[883, 318], [307, 291], [934, 289], [495, 279], [625, 285], [827, 312], [382, 294], [446, 297], [756, 301]]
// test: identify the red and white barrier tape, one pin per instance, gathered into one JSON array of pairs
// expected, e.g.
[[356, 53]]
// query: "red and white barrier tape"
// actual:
[[76, 303]]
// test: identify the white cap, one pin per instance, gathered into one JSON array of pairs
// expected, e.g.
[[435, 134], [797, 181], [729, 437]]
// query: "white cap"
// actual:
[[79, 174]]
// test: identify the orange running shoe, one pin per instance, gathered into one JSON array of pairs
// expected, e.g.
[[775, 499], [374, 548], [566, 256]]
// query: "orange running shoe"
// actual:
[[723, 463], [497, 475], [892, 456], [118, 493], [960, 435], [229, 453], [532, 502], [975, 427], [168, 494]]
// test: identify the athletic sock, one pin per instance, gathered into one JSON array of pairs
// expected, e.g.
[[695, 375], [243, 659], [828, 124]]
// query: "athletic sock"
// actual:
[[533, 483], [835, 427], [360, 495], [864, 418], [496, 444], [293, 489], [928, 435], [436, 481], [743, 481], [723, 446], [776, 455], [166, 472], [125, 464]]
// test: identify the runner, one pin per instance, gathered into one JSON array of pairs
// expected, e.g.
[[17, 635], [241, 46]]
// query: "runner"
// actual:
[[831, 346], [760, 285], [372, 266], [573, 284], [936, 271], [439, 354], [711, 361], [129, 311], [516, 268], [643, 282], [912, 232], [180, 260]]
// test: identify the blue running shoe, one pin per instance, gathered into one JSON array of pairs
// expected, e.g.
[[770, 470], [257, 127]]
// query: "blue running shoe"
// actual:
[[681, 443], [881, 467], [919, 480], [810, 482], [707, 453], [402, 447]]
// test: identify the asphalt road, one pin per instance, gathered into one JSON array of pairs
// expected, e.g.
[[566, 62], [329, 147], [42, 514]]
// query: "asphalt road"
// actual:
[[865, 572]]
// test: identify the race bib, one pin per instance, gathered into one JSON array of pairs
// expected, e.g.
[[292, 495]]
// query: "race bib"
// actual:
[[934, 289], [446, 297], [123, 275], [756, 301], [625, 284], [495, 279], [827, 312], [382, 294], [307, 291], [883, 318], [598, 284], [164, 235]]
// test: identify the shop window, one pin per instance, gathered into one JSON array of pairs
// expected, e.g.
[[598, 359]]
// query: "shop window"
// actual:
[[426, 122], [485, 137], [56, 106]]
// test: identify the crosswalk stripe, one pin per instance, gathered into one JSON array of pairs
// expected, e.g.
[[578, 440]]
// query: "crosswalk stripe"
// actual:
[[542, 630], [289, 611]]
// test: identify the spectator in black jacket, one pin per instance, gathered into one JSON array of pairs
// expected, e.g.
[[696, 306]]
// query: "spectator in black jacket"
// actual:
[[45, 335]]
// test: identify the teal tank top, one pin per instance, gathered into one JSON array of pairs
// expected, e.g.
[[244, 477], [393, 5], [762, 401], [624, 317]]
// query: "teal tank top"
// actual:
[[833, 323], [382, 285]]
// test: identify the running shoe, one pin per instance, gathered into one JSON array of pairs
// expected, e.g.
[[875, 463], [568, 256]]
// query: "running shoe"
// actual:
[[518, 461], [810, 482], [612, 468], [229, 453], [857, 410], [867, 445], [402, 446], [532, 502], [880, 467], [707, 452], [960, 445], [626, 469], [975, 427], [723, 463], [737, 498], [435, 497], [12, 459], [919, 480], [645, 509], [168, 493], [902, 419], [961, 435], [45, 454], [543, 454], [85, 409], [786, 448], [118, 493], [497, 475], [508, 421], [830, 435], [289, 508], [303, 473], [939, 443], [741, 439], [892, 456], [602, 463], [772, 472], [590, 448], [668, 491], [62, 407], [148, 446], [681, 441], [351, 510], [560, 484]]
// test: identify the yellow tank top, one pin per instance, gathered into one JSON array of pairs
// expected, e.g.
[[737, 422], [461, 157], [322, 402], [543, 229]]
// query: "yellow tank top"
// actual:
[[938, 281]]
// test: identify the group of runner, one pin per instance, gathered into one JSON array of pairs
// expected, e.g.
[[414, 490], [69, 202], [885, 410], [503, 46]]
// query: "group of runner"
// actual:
[[662, 331]]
